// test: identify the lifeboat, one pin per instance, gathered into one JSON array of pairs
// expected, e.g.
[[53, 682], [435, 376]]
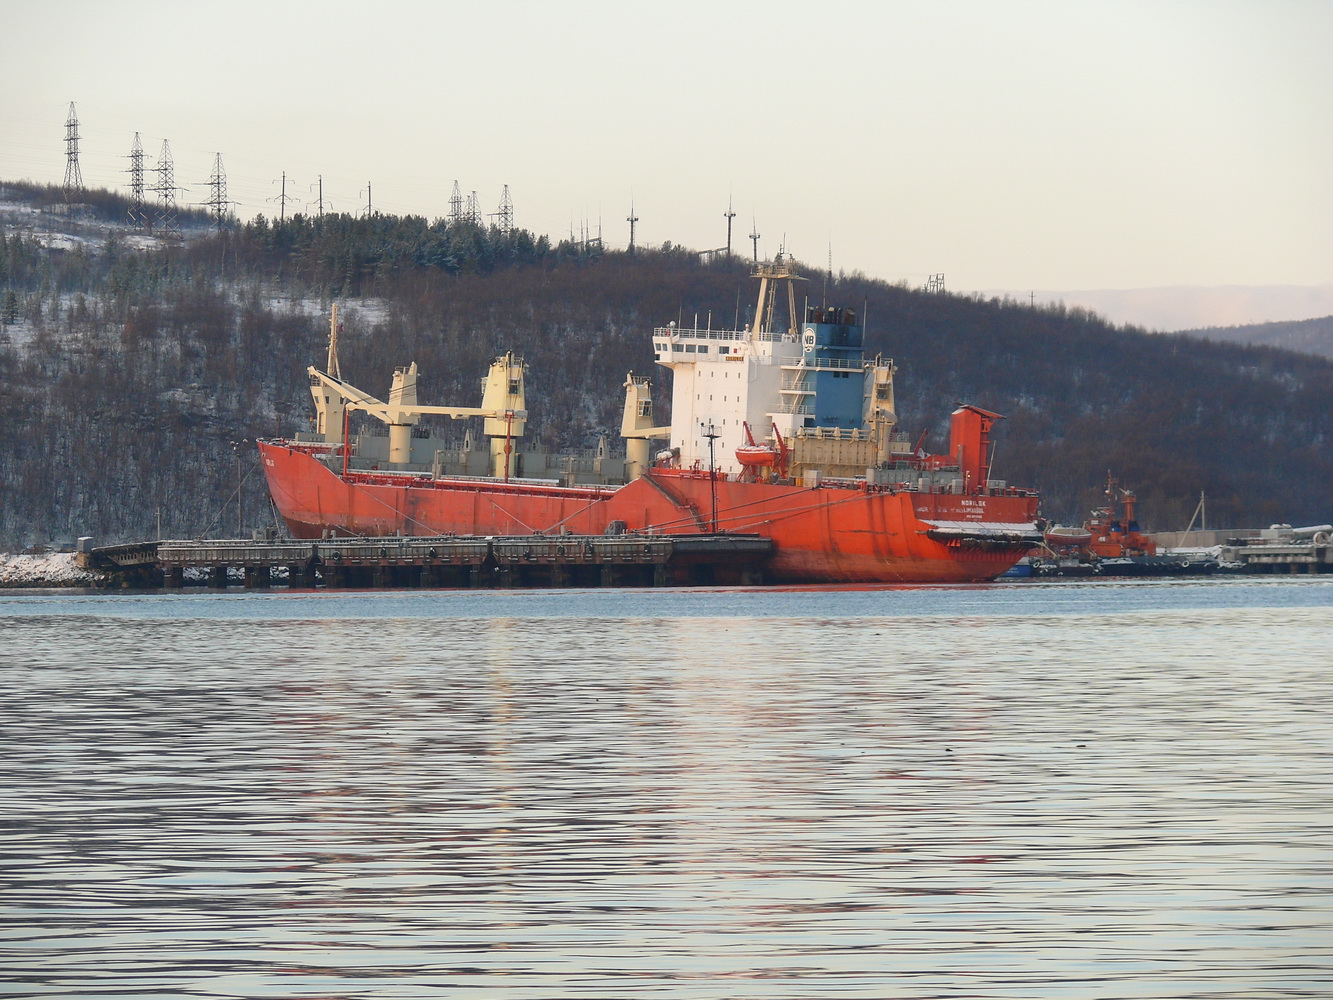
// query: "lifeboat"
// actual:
[[1059, 536], [757, 456], [754, 455]]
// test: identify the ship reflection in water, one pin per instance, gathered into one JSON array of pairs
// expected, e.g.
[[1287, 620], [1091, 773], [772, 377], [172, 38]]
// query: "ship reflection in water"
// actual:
[[1110, 790]]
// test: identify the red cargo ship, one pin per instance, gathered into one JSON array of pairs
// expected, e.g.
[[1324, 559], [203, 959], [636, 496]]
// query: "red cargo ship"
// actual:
[[841, 493]]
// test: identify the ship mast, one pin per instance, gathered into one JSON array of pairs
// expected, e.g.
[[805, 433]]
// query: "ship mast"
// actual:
[[769, 273], [333, 367], [636, 425]]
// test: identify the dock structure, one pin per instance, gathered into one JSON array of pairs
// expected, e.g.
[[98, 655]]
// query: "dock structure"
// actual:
[[449, 561], [1311, 554]]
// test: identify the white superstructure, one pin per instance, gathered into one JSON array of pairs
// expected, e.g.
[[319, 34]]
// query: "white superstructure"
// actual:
[[724, 379]]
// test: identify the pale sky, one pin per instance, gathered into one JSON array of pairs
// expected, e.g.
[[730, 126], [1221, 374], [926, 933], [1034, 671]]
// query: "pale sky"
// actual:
[[1012, 145]]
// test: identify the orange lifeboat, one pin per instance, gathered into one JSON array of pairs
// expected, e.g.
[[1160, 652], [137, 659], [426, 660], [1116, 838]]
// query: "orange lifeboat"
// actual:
[[757, 456]]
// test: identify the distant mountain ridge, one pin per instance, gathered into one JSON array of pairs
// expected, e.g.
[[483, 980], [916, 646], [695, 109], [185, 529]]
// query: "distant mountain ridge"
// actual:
[[1311, 336], [1184, 308]]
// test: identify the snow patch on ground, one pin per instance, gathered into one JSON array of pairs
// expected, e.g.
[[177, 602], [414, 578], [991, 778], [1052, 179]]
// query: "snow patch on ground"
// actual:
[[282, 304], [60, 241], [49, 569], [372, 311], [19, 333]]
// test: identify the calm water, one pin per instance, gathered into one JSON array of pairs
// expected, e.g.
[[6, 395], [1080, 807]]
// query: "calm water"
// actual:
[[1029, 790]]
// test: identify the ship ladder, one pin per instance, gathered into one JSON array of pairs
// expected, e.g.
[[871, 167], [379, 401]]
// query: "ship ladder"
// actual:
[[678, 502]]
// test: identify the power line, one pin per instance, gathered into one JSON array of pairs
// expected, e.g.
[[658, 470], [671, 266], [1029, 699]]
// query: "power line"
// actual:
[[166, 190], [505, 215], [218, 200], [137, 216], [456, 205], [73, 175], [321, 196], [282, 199]]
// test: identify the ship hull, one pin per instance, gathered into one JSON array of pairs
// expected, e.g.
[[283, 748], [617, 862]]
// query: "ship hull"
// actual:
[[823, 534]]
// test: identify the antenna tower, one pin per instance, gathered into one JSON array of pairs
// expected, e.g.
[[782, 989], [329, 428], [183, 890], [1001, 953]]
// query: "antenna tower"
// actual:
[[136, 216], [754, 238], [218, 200], [631, 219], [456, 205], [505, 216], [73, 175], [729, 216], [166, 191]]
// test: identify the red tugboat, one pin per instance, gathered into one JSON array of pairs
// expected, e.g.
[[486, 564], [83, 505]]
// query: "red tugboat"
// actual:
[[1117, 537], [1109, 544], [836, 487]]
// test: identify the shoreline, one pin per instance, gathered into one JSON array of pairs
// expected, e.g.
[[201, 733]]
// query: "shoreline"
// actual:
[[48, 570]]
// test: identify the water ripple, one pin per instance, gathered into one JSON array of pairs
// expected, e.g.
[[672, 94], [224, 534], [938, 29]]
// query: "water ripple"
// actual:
[[1118, 792]]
